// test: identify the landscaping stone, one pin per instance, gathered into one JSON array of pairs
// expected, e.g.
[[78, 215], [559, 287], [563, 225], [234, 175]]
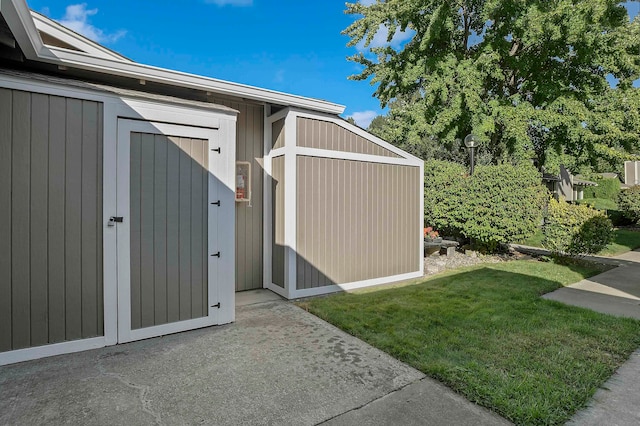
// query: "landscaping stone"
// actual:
[[437, 263]]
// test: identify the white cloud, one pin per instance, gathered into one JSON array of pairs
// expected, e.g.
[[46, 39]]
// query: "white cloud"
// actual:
[[380, 38], [364, 118], [230, 2], [76, 18]]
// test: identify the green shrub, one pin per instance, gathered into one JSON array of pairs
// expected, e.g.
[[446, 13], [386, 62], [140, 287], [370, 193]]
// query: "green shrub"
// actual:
[[575, 229], [497, 205], [629, 204], [608, 189]]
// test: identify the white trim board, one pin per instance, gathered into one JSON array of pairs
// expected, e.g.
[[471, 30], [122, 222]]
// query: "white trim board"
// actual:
[[317, 291], [37, 352]]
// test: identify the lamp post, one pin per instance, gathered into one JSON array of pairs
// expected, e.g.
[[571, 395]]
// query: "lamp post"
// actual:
[[471, 143]]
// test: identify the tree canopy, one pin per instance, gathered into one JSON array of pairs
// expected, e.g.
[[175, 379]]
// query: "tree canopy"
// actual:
[[528, 77]]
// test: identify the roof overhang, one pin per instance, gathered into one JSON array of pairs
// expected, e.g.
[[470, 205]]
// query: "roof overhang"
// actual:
[[21, 22]]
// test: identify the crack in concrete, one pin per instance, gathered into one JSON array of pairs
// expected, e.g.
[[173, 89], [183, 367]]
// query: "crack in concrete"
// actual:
[[142, 393]]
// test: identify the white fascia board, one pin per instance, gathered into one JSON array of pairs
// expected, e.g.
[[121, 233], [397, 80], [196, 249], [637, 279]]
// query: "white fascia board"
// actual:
[[18, 17], [46, 25], [177, 78], [360, 132], [21, 23]]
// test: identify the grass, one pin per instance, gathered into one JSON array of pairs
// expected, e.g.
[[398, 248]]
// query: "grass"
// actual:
[[485, 332], [623, 241], [600, 203]]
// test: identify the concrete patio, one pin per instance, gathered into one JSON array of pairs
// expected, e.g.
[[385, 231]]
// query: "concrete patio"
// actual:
[[276, 365]]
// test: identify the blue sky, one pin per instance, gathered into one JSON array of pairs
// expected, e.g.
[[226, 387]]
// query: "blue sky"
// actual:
[[285, 45]]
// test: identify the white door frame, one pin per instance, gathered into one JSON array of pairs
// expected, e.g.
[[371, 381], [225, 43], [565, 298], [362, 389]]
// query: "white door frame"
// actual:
[[125, 127]]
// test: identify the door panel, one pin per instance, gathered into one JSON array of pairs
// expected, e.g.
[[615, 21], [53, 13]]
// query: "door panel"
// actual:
[[164, 264], [169, 188]]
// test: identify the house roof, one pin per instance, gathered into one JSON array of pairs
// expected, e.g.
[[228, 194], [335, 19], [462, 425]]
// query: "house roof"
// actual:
[[84, 54], [581, 182]]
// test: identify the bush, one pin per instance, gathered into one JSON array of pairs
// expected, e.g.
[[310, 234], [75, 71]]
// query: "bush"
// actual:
[[608, 189], [497, 205], [575, 229], [629, 204]]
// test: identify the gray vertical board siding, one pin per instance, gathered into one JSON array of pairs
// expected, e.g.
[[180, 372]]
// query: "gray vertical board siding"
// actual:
[[39, 218], [278, 248], [90, 216], [160, 229], [134, 226], [321, 134], [73, 218], [57, 230], [173, 229], [51, 219], [169, 192], [6, 100], [359, 221], [249, 216], [277, 133], [199, 195], [20, 216]]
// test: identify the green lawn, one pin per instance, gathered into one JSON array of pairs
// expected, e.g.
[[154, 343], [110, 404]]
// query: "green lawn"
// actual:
[[600, 203], [623, 241], [485, 332]]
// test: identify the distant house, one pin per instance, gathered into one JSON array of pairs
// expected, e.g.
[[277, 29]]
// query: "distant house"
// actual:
[[566, 186], [135, 201], [631, 173]]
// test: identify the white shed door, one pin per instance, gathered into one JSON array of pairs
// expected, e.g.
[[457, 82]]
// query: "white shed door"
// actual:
[[167, 226]]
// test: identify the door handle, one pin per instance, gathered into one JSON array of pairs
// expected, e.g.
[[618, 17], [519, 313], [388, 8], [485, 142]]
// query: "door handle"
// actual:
[[115, 219]]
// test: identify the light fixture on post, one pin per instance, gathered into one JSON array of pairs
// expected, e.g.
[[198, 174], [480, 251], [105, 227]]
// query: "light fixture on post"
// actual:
[[471, 143]]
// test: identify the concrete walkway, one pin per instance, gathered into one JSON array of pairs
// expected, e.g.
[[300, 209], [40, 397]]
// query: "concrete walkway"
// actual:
[[277, 364], [614, 292]]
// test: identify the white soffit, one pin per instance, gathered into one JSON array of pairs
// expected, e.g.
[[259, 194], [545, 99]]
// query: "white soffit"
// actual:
[[22, 25]]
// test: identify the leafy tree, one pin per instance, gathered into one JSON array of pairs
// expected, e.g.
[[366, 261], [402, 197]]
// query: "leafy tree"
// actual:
[[529, 77]]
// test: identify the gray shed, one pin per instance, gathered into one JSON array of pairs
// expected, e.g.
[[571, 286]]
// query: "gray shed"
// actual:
[[136, 201]]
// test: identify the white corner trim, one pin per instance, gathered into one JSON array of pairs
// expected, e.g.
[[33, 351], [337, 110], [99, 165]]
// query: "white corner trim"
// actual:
[[420, 235], [317, 291], [28, 354], [290, 202]]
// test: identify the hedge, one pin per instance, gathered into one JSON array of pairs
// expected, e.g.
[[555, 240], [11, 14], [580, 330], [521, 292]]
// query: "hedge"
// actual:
[[497, 205], [607, 188], [575, 229], [629, 204]]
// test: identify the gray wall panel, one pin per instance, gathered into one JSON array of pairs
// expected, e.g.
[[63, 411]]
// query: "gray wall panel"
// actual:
[[6, 100], [278, 248], [51, 220], [39, 217], [20, 218], [277, 133], [320, 134], [169, 189], [359, 221], [249, 216]]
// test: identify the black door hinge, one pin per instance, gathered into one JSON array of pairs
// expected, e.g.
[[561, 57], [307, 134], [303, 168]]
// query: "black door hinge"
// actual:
[[217, 203], [217, 305], [217, 150], [216, 255]]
